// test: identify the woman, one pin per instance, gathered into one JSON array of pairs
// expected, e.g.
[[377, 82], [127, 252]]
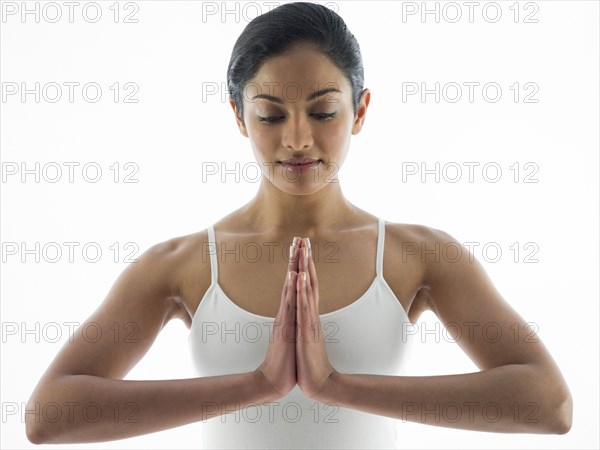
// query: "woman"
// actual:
[[305, 349]]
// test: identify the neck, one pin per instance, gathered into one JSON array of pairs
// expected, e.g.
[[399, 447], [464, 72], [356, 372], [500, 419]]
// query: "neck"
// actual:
[[298, 215]]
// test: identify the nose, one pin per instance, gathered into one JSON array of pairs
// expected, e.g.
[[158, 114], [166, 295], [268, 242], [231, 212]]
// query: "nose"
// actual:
[[297, 133]]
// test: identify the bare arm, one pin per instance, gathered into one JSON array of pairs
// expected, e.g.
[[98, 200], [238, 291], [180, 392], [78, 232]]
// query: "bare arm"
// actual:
[[82, 396], [520, 388]]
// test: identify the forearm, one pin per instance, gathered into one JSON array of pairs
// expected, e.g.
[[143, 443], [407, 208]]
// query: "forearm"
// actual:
[[84, 408], [514, 398]]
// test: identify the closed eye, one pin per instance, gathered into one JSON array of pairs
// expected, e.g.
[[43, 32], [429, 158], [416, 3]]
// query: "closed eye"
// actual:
[[272, 120]]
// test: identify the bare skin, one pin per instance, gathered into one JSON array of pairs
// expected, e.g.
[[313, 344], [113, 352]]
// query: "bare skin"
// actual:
[[171, 278]]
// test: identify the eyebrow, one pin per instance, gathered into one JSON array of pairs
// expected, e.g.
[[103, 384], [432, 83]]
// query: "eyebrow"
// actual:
[[308, 99]]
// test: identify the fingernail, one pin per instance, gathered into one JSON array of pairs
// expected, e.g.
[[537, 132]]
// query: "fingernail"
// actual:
[[304, 277], [289, 275], [308, 242], [291, 252]]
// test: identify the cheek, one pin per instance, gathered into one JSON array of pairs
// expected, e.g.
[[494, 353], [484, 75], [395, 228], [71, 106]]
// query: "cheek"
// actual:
[[335, 137], [263, 141], [264, 146]]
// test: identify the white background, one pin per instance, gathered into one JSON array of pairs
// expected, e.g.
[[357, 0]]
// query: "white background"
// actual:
[[174, 54]]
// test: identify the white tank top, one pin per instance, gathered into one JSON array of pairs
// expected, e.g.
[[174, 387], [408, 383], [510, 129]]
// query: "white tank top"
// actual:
[[369, 336]]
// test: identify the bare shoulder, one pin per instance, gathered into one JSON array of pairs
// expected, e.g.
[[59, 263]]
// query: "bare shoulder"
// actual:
[[423, 243], [418, 242], [411, 249], [187, 261], [144, 297], [416, 233], [453, 280]]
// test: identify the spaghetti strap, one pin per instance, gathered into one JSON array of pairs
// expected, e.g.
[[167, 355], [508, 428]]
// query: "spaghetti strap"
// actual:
[[212, 251], [380, 242]]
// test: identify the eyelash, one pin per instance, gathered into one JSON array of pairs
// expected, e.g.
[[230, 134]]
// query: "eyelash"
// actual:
[[273, 120]]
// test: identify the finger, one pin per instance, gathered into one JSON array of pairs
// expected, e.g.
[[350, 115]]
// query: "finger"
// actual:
[[293, 255], [284, 293], [300, 245], [314, 283], [301, 306], [290, 300], [286, 286], [307, 288], [315, 322], [314, 313], [309, 321], [289, 311]]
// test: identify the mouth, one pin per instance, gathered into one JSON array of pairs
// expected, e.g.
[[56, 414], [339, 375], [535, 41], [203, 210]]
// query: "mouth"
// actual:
[[300, 165], [299, 161]]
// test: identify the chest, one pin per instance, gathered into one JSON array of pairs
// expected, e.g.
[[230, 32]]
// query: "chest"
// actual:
[[251, 272], [344, 273]]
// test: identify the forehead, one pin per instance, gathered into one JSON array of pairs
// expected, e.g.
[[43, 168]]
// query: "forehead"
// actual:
[[296, 74]]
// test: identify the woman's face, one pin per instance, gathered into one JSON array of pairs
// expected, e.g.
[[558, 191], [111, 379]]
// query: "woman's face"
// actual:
[[283, 121]]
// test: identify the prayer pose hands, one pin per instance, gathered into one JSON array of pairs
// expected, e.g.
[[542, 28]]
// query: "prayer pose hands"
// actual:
[[296, 352]]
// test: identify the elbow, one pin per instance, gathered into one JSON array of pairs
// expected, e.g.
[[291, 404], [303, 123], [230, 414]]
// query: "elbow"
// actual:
[[563, 426], [40, 427], [32, 423], [554, 404], [34, 432], [566, 418], [39, 432], [562, 416], [36, 427]]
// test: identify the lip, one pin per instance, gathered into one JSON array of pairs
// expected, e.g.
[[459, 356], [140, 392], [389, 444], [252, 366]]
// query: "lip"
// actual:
[[308, 164], [296, 161]]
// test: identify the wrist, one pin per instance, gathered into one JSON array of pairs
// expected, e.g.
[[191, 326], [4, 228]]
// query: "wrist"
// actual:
[[265, 389], [329, 392]]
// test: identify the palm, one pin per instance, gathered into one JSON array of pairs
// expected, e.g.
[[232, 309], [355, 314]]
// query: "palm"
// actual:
[[279, 366]]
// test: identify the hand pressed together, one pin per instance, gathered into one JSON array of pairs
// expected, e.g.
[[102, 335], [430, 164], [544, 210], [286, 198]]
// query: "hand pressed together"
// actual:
[[296, 352]]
